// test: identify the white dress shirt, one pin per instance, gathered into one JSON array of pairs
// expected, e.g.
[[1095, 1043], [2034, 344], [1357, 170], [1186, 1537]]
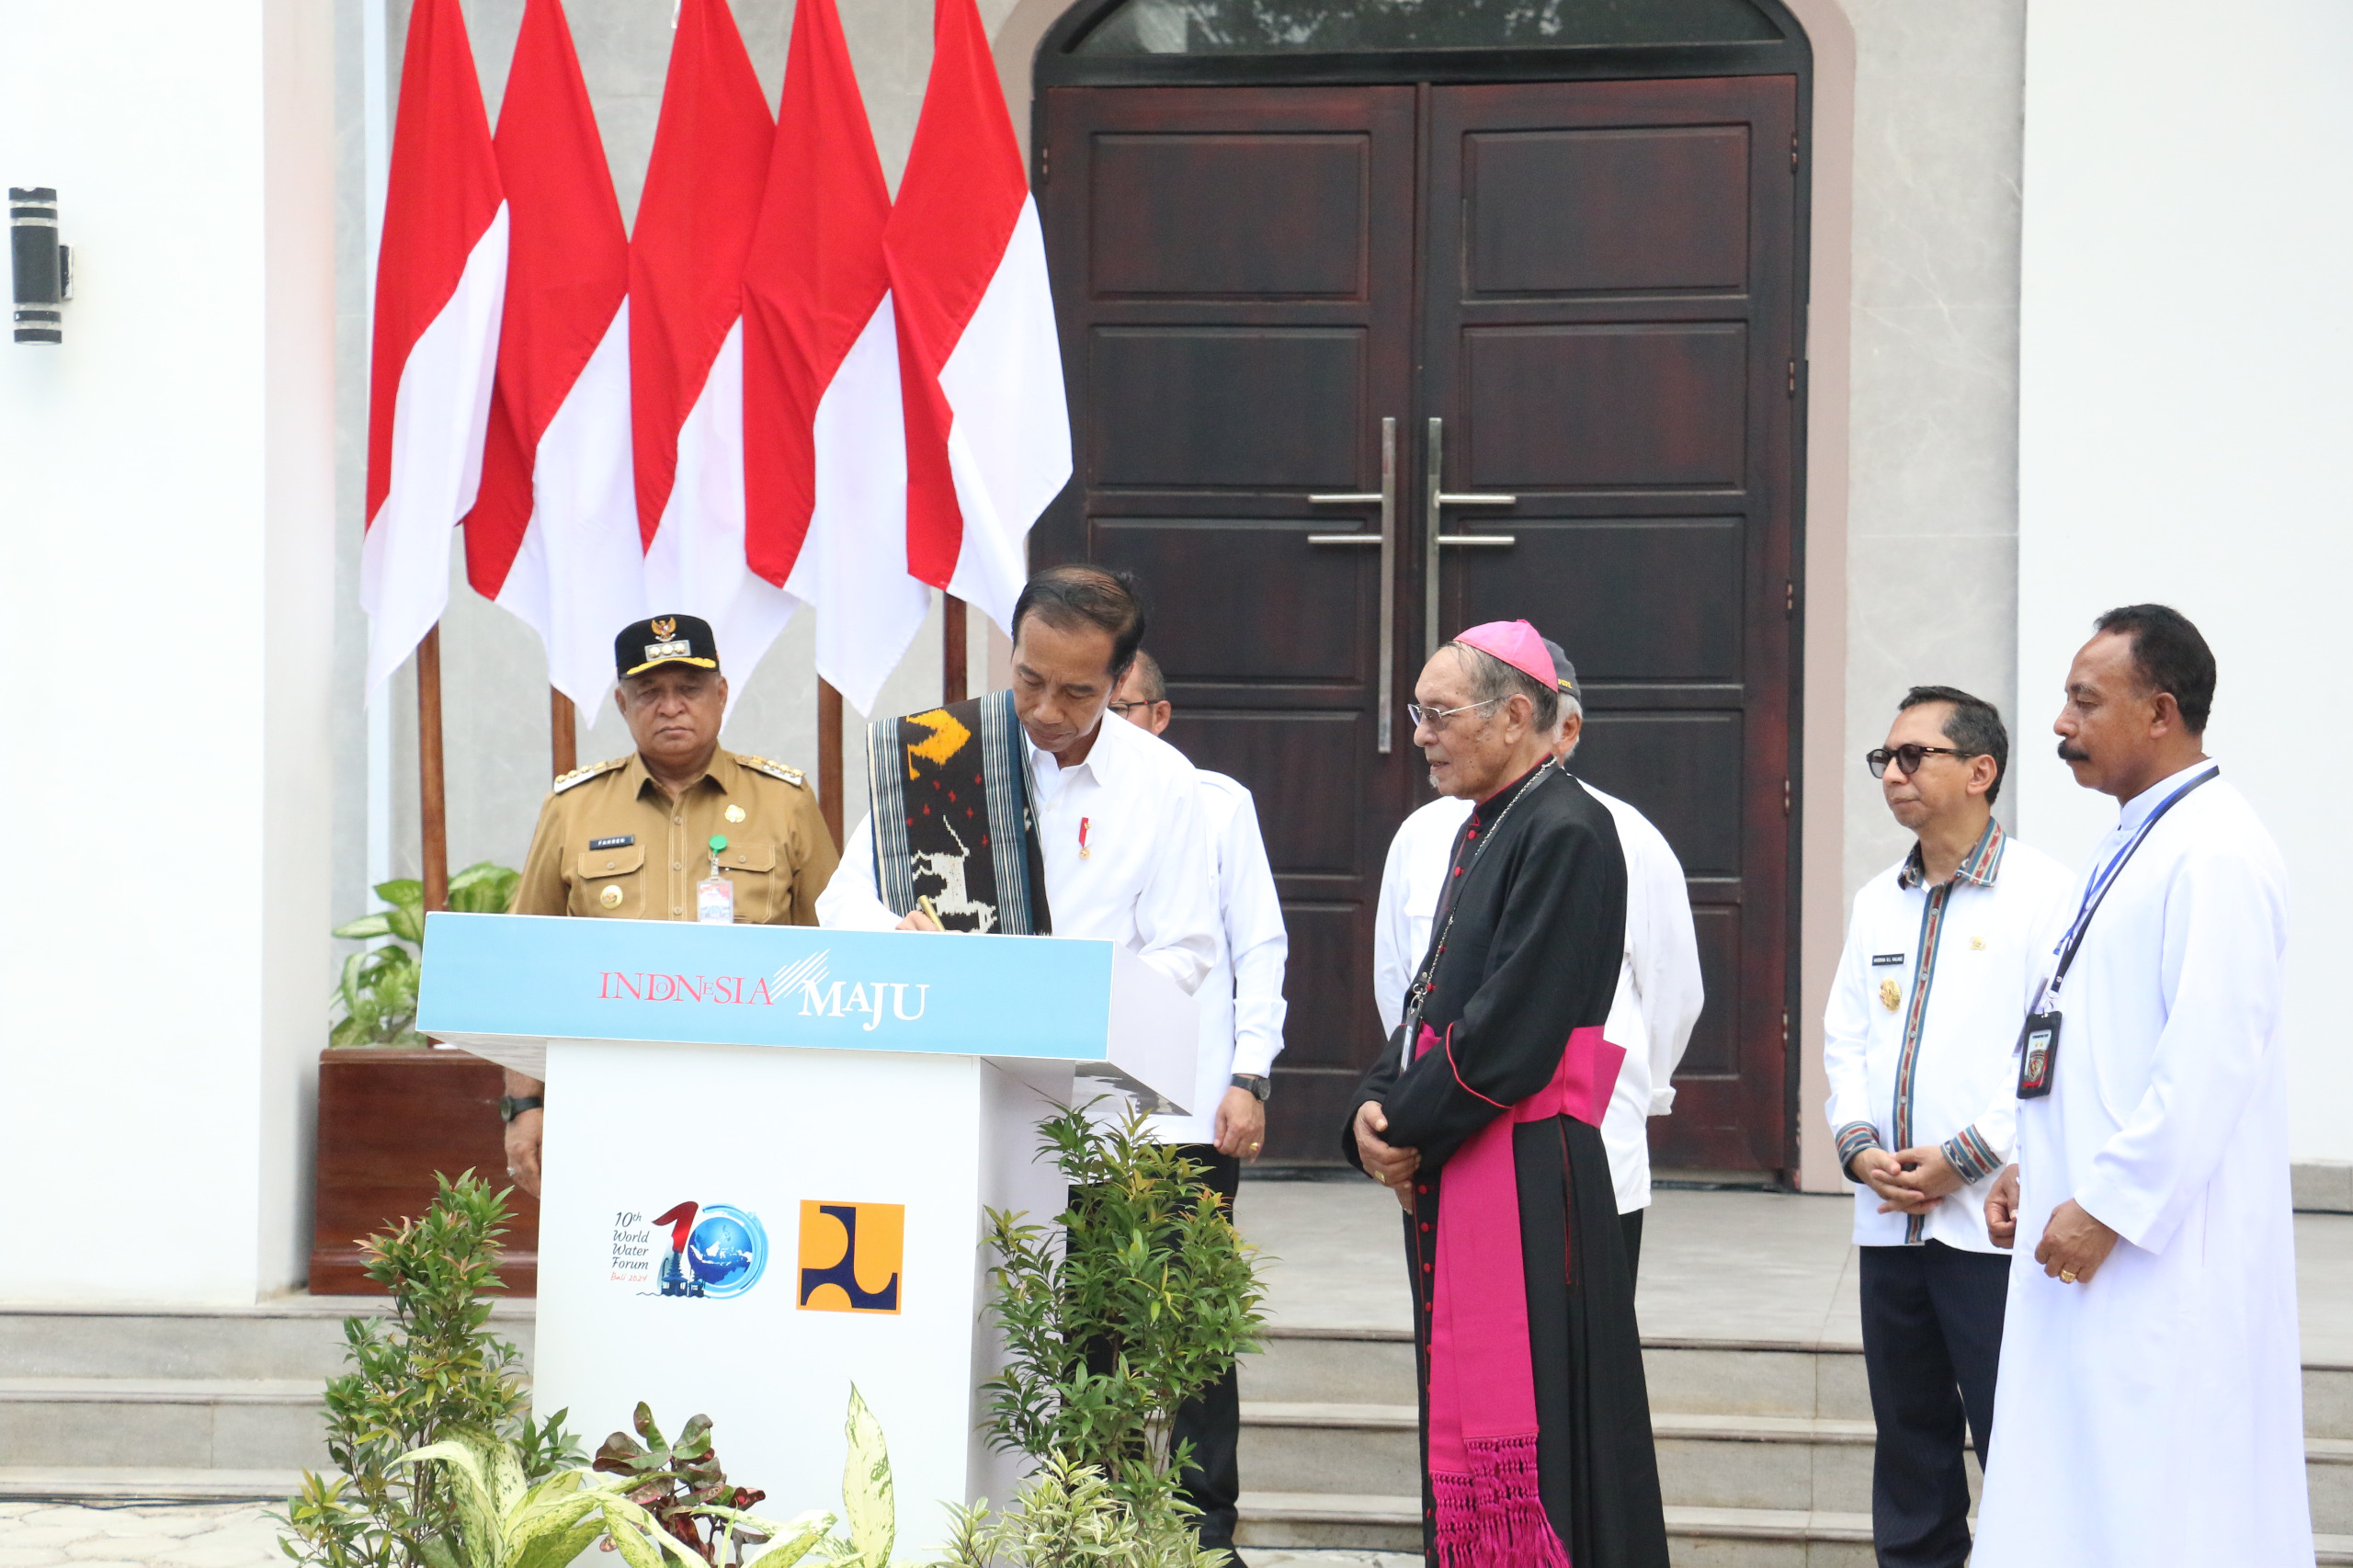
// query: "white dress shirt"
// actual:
[[1917, 1039], [1242, 1000], [1658, 996], [1142, 879]]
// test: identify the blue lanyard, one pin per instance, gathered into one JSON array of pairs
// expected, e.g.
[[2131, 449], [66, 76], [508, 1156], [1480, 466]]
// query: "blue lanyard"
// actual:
[[2105, 879]]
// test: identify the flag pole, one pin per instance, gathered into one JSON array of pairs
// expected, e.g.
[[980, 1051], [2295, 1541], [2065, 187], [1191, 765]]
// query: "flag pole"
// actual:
[[563, 734], [433, 814], [829, 758], [952, 650]]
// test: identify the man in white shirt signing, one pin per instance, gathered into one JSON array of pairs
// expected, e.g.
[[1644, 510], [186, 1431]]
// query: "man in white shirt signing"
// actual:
[[1658, 995], [1118, 821], [1242, 1033], [1938, 968]]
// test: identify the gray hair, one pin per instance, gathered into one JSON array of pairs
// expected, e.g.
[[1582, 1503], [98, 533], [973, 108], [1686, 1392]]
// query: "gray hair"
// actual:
[[1570, 708], [1491, 680]]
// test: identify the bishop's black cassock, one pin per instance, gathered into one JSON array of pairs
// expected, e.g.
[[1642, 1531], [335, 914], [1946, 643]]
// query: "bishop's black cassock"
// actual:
[[1537, 898]]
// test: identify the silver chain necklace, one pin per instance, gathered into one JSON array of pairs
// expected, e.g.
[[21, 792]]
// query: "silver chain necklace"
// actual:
[[1417, 994]]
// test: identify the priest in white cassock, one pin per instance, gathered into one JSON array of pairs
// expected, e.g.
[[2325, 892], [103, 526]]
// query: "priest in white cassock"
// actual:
[[1242, 1033], [2150, 1399], [1659, 993]]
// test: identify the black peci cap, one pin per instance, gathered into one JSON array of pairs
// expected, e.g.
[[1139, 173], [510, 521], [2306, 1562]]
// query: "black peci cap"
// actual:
[[665, 640], [1564, 673]]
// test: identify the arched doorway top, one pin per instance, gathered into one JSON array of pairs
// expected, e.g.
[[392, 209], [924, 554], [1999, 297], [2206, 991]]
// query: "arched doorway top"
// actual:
[[1107, 42]]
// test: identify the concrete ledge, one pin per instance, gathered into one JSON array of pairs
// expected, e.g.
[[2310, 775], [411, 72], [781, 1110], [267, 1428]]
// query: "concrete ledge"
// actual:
[[50, 1483], [2323, 1186]]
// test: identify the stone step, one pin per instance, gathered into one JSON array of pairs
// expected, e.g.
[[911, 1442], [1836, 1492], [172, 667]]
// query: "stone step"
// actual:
[[1773, 1463], [163, 1423], [1700, 1377], [144, 1484], [298, 1337]]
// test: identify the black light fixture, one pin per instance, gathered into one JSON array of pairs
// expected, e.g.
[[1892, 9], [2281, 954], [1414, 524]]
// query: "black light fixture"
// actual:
[[44, 269]]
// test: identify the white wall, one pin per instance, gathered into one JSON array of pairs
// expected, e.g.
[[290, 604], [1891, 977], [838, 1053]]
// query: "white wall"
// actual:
[[165, 571], [2186, 417]]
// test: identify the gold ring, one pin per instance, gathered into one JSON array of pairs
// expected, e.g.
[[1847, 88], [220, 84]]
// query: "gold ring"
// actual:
[[2066, 1276]]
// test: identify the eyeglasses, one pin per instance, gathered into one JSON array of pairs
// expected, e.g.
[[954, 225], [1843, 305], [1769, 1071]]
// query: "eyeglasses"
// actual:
[[1435, 718], [1122, 708], [1908, 757]]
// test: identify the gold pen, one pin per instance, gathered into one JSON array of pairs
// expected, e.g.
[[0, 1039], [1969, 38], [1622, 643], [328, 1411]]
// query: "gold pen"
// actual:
[[930, 911]]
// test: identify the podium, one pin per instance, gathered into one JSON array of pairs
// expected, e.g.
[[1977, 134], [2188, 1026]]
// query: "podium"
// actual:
[[766, 1156]]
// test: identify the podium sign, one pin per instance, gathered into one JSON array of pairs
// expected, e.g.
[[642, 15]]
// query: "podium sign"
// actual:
[[767, 1154]]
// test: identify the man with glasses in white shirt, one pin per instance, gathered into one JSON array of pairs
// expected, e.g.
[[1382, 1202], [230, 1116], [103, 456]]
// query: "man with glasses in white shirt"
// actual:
[[1939, 967]]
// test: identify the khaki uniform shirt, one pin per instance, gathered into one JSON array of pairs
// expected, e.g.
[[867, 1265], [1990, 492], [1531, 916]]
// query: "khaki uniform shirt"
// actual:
[[611, 843]]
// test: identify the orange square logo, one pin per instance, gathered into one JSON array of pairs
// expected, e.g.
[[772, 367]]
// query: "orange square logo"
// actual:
[[850, 1255]]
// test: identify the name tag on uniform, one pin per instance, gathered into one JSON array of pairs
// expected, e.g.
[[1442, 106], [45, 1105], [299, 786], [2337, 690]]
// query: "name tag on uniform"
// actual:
[[1880, 960], [2038, 1055], [621, 841]]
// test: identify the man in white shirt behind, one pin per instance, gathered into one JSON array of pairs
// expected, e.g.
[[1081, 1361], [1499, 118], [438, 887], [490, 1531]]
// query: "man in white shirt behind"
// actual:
[[1659, 993], [1939, 967], [1242, 1033], [1117, 817]]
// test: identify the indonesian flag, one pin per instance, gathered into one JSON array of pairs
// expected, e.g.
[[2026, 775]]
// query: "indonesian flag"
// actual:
[[439, 278], [685, 340], [554, 536], [825, 439], [988, 432]]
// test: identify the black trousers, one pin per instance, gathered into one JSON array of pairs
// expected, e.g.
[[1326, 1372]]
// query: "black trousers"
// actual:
[[1211, 1420], [1632, 1223], [1932, 1339]]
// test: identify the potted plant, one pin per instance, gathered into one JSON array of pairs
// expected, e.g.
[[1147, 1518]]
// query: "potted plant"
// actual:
[[395, 1111]]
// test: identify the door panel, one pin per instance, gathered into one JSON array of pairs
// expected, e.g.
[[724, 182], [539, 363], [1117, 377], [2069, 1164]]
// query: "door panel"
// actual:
[[1591, 285], [1234, 274], [1609, 323]]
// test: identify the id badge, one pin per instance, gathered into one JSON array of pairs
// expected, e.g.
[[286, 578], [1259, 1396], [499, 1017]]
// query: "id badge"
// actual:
[[2038, 1054], [715, 900]]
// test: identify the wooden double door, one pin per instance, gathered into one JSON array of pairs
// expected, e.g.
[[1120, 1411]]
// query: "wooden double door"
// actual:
[[1354, 367]]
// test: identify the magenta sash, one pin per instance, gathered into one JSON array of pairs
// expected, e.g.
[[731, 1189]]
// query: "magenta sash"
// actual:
[[1483, 1388]]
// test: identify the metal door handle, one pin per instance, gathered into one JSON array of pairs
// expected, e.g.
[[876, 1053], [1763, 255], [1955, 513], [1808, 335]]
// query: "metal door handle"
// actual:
[[1440, 497], [1384, 722]]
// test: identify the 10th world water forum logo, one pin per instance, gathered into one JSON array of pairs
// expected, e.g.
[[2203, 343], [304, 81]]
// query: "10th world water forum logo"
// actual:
[[715, 1250]]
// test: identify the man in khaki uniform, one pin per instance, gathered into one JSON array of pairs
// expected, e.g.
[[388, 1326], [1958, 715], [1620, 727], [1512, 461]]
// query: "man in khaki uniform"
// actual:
[[629, 839]]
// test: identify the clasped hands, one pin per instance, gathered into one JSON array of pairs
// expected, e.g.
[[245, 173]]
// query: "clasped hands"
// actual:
[[1911, 1181], [1387, 1164], [2074, 1243]]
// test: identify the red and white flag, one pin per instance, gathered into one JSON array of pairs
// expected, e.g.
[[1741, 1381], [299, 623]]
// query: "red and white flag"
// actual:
[[988, 432], [439, 278], [824, 437], [553, 534], [694, 226]]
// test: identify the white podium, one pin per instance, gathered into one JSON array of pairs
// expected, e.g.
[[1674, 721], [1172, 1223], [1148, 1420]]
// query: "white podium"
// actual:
[[767, 1152]]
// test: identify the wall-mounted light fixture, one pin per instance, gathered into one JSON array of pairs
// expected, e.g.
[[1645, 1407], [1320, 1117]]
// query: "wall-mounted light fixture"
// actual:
[[44, 269]]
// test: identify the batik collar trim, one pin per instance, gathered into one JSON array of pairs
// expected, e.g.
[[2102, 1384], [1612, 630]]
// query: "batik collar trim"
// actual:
[[1978, 867]]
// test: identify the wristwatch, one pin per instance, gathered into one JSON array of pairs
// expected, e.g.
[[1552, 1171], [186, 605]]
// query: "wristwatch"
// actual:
[[1258, 1085], [512, 1106]]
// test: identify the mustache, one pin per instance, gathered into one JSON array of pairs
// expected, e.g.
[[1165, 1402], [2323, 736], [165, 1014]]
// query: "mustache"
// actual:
[[2073, 754]]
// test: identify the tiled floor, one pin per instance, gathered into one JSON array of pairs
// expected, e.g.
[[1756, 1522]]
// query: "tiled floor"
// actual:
[[1756, 1266]]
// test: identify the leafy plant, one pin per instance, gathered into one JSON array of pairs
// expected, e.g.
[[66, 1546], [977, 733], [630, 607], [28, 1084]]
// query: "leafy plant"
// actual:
[[435, 1371], [870, 1503], [1069, 1517], [1140, 1298], [377, 990], [677, 1483], [505, 1521]]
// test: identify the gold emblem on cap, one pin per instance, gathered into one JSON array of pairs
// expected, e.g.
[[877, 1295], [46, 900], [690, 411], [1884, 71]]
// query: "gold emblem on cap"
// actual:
[[664, 628], [1889, 994], [611, 899], [733, 813], [1977, 944]]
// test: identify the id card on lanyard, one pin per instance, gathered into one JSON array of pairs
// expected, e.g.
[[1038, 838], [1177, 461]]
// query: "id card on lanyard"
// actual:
[[2037, 1046]]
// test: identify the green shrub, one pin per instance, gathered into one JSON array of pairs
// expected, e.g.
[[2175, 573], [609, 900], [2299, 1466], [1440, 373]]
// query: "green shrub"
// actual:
[[434, 1371], [377, 990]]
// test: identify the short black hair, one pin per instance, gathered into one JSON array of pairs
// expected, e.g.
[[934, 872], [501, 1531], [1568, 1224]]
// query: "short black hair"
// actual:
[[1148, 676], [1975, 726], [2171, 656], [1491, 680], [1109, 599]]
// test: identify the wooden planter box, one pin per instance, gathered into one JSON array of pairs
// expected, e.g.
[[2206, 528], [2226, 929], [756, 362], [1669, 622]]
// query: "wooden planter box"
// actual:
[[388, 1120]]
